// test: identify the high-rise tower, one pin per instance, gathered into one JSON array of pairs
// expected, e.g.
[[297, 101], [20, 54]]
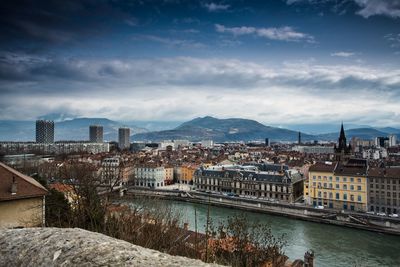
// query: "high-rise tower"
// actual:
[[96, 133], [44, 131], [123, 138]]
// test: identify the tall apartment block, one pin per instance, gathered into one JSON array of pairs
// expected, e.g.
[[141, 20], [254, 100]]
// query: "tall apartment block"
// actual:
[[44, 131], [96, 133], [124, 138]]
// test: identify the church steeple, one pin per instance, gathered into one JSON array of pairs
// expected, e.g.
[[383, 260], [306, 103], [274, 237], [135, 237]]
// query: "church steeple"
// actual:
[[342, 150], [342, 135]]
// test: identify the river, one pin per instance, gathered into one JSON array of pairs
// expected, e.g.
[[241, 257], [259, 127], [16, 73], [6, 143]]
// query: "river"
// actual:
[[333, 245]]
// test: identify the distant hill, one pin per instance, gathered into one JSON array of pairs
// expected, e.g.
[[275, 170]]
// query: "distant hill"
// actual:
[[389, 130], [363, 133], [221, 130], [75, 129]]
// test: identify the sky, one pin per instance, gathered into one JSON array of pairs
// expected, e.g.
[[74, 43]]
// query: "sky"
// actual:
[[274, 61]]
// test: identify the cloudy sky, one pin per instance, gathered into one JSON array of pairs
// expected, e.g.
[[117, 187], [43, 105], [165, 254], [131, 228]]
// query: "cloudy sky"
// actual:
[[277, 61]]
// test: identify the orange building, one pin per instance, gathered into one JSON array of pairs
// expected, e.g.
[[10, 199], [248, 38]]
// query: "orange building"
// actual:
[[187, 172]]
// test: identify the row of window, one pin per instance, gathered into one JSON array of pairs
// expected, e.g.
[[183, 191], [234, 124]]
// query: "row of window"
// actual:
[[388, 187], [337, 179], [344, 196], [383, 193], [388, 202], [337, 186]]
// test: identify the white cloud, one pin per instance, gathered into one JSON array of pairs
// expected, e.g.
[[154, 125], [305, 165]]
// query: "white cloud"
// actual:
[[213, 7], [171, 42], [368, 8], [393, 39], [184, 87], [390, 8], [281, 34], [342, 54]]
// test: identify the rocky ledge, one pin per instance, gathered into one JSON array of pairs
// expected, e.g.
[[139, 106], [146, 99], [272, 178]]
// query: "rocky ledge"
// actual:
[[77, 247]]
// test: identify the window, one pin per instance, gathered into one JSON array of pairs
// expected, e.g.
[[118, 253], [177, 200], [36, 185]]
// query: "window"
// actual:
[[337, 196], [330, 178], [344, 179], [325, 186], [337, 179], [337, 186], [345, 187], [351, 187], [372, 186], [359, 187], [351, 197], [319, 194], [330, 185], [314, 177], [319, 177], [359, 198], [314, 184], [345, 196], [351, 179], [330, 195], [325, 178]]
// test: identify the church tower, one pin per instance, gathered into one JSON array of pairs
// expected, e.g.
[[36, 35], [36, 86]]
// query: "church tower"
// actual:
[[342, 151]]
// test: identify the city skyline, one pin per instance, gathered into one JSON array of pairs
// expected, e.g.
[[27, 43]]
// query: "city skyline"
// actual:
[[282, 61]]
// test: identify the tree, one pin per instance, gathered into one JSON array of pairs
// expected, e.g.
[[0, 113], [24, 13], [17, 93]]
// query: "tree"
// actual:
[[243, 243]]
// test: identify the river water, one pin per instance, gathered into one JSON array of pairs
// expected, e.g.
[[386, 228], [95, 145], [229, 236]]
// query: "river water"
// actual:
[[333, 245]]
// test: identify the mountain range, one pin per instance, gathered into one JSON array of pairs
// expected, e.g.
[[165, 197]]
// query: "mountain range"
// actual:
[[249, 130], [219, 130]]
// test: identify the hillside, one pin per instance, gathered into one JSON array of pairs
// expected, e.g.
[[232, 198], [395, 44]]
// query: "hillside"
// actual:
[[363, 133], [222, 130]]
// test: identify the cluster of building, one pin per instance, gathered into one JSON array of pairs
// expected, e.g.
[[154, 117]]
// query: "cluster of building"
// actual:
[[45, 143], [353, 184], [345, 176]]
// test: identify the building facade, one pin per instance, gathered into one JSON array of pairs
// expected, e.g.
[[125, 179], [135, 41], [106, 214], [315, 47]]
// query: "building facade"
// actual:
[[124, 138], [248, 181], [384, 190], [22, 200], [96, 134], [338, 185], [151, 177], [53, 148], [44, 131]]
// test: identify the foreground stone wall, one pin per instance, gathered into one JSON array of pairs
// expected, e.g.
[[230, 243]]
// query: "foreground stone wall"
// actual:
[[77, 247]]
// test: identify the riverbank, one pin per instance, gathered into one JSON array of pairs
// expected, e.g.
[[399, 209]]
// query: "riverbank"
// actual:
[[361, 221]]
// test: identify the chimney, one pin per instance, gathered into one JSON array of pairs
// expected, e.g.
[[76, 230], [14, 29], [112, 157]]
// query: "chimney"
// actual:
[[14, 187]]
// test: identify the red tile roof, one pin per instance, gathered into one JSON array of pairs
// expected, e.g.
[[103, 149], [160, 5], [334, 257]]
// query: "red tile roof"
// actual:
[[27, 187]]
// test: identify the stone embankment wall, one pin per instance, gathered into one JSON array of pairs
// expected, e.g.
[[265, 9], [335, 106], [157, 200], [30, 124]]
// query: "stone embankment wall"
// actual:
[[77, 247], [361, 220]]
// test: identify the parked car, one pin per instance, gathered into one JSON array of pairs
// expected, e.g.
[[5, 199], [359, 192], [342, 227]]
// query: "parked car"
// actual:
[[394, 215], [371, 212], [381, 214], [319, 207]]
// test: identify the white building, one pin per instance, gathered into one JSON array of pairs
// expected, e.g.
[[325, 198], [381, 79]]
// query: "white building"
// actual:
[[152, 177], [207, 143], [314, 149], [392, 140], [181, 143], [54, 148], [163, 145]]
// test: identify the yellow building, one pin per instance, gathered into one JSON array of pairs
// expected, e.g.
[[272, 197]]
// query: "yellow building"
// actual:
[[187, 172], [22, 199], [338, 185], [168, 175]]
